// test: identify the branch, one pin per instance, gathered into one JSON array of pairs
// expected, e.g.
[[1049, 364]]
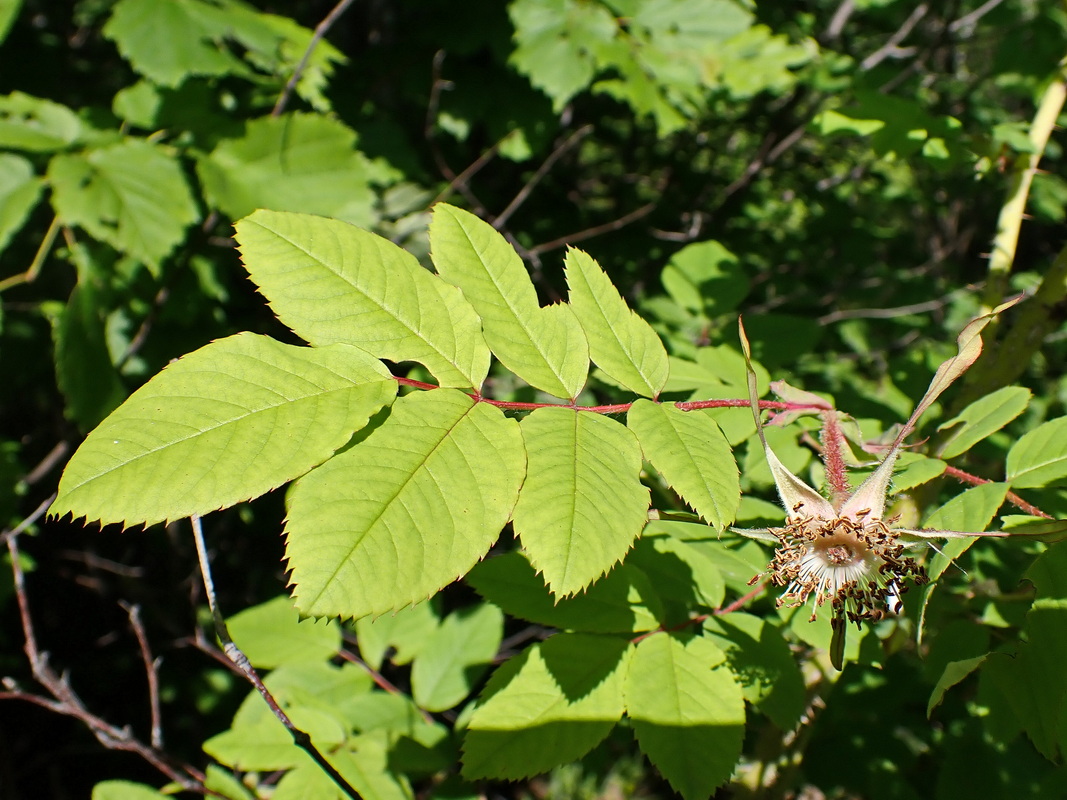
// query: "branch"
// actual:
[[66, 701], [300, 738], [546, 165], [890, 47], [316, 37]]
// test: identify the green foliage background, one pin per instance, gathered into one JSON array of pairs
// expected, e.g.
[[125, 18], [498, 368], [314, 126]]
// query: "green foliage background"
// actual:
[[834, 170]]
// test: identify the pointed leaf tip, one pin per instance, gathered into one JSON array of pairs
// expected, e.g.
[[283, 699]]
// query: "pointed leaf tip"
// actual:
[[799, 499]]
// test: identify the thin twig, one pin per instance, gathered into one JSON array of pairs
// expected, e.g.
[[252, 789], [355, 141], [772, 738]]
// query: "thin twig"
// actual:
[[67, 702], [316, 37], [890, 47], [35, 515], [839, 20], [30, 275], [471, 170], [596, 230], [438, 85], [538, 176], [968, 20], [300, 738], [151, 668], [54, 456]]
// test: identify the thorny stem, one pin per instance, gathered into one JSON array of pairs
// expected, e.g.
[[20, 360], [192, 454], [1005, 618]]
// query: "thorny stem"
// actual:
[[615, 408], [300, 738], [831, 455], [1011, 497]]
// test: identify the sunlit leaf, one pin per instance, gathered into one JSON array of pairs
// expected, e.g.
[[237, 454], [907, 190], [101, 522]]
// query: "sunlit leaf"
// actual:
[[332, 282], [687, 711], [982, 418], [622, 344], [624, 600], [405, 511], [455, 656], [226, 423], [549, 705], [132, 195], [1039, 458], [691, 453], [582, 504], [546, 347]]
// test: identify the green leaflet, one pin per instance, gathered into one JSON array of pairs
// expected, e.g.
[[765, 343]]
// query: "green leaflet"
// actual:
[[551, 704], [20, 189], [687, 711], [332, 282], [125, 790], [1039, 458], [763, 663], [272, 634], [557, 42], [224, 424], [407, 510], [299, 162], [582, 504], [456, 655], [621, 343], [132, 195], [546, 347], [621, 602], [401, 635], [89, 381], [37, 125], [691, 452], [982, 418], [168, 40], [971, 511]]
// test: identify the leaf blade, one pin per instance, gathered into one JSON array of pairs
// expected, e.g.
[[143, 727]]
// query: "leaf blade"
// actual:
[[621, 343], [549, 705], [582, 504], [546, 347], [332, 282], [691, 452], [405, 511], [169, 451], [687, 711]]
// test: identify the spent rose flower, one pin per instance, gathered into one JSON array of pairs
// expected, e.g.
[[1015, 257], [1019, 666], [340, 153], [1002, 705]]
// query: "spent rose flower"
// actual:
[[843, 551]]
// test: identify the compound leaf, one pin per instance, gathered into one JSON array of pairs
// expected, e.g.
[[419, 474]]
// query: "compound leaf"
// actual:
[[687, 711], [582, 504], [407, 510], [691, 452], [546, 347], [621, 343], [224, 424], [168, 40], [551, 704], [332, 282]]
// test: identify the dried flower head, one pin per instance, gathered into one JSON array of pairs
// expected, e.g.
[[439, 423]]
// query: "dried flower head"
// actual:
[[845, 552]]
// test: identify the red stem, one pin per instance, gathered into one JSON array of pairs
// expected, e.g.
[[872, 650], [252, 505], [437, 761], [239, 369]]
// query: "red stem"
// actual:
[[616, 408], [1011, 497]]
